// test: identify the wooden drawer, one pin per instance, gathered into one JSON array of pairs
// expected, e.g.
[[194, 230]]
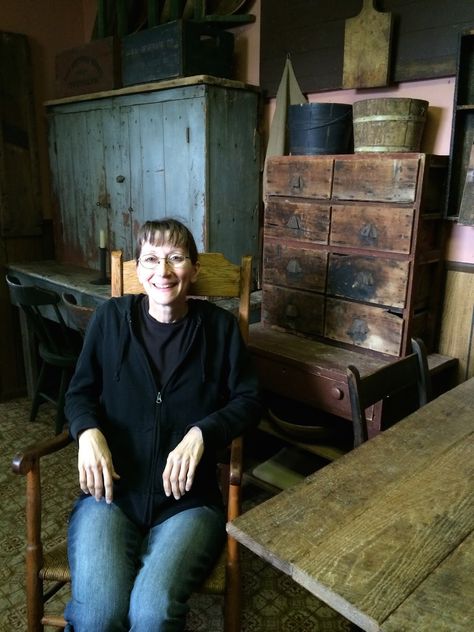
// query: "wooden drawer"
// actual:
[[293, 310], [305, 221], [387, 228], [376, 179], [292, 267], [296, 382], [300, 176], [370, 279], [363, 326]]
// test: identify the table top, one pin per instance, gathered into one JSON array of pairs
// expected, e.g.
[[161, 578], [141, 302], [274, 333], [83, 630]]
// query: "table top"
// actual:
[[66, 277], [384, 535]]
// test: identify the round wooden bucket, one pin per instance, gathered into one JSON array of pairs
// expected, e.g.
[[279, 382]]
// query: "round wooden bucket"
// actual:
[[391, 124]]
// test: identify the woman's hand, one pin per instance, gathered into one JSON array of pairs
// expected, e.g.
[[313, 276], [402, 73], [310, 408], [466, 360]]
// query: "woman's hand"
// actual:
[[181, 464], [96, 470]]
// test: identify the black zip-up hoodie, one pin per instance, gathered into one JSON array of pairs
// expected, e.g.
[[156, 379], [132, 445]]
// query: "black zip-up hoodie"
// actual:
[[113, 389]]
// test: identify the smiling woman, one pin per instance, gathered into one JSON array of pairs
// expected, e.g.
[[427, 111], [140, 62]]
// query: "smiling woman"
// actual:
[[163, 382]]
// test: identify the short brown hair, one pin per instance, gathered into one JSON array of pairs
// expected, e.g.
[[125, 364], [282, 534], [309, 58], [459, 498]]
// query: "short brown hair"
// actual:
[[166, 231]]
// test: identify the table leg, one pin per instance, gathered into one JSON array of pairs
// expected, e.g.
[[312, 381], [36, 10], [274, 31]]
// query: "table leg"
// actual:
[[29, 355]]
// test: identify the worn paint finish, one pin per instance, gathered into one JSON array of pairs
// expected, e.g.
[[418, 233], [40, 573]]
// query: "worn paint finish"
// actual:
[[190, 152]]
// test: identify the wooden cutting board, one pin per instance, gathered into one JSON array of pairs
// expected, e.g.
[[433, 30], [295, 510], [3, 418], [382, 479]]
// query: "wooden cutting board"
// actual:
[[367, 40]]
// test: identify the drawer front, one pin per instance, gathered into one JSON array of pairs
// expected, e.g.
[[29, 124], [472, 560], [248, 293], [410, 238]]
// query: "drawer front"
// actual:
[[376, 179], [326, 394], [364, 326], [294, 267], [387, 228], [299, 177], [369, 279], [293, 310], [304, 221]]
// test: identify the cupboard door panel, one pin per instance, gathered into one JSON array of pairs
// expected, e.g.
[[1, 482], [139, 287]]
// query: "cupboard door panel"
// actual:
[[305, 221], [118, 177], [376, 179], [369, 279], [387, 228], [363, 326], [185, 159], [300, 177], [293, 310], [302, 268], [80, 185]]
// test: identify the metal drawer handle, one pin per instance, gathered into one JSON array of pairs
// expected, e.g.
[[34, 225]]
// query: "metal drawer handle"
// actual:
[[296, 182]]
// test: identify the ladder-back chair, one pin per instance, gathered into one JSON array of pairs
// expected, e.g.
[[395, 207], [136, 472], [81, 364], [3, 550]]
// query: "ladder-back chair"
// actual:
[[57, 346], [218, 277], [406, 380]]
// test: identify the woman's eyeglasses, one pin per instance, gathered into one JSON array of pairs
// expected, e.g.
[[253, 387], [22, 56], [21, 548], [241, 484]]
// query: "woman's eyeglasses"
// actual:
[[173, 259]]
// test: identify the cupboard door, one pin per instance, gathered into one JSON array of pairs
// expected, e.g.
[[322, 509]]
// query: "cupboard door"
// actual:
[[79, 185], [185, 165]]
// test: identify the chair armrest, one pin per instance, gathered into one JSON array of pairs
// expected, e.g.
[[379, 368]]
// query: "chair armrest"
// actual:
[[24, 461], [236, 457]]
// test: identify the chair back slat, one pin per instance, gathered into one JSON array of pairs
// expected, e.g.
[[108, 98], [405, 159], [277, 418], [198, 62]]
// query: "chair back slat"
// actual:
[[54, 336], [218, 278]]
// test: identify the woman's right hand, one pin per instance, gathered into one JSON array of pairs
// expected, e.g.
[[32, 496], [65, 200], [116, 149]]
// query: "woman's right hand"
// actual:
[[96, 470]]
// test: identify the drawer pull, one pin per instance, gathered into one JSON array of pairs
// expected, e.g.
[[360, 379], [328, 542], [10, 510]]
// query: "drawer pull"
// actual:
[[291, 311], [358, 330], [296, 182], [337, 392], [368, 234]]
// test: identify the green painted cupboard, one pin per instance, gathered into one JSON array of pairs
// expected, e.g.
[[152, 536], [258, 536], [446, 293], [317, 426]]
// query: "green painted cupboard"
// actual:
[[187, 148]]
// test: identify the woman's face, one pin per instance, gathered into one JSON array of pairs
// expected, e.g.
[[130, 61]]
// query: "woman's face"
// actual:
[[167, 286]]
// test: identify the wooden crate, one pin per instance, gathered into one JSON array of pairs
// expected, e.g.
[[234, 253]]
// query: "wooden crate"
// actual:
[[176, 49], [94, 67]]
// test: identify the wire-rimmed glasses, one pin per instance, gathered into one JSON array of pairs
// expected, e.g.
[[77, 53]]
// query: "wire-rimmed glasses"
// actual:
[[172, 259]]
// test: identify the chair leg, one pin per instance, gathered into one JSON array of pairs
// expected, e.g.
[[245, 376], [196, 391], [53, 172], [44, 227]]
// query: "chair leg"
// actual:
[[60, 403], [232, 604], [37, 397]]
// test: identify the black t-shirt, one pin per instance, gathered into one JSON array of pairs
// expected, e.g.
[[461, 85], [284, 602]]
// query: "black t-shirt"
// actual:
[[164, 343]]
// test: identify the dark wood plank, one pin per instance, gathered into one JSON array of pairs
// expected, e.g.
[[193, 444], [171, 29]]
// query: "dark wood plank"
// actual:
[[424, 41]]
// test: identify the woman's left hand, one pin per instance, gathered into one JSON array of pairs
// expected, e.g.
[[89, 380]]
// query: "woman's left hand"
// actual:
[[181, 464]]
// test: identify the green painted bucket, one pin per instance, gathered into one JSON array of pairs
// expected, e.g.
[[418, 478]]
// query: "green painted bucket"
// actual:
[[320, 128]]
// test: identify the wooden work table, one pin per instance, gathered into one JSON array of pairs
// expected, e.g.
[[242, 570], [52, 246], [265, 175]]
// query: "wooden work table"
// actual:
[[384, 535]]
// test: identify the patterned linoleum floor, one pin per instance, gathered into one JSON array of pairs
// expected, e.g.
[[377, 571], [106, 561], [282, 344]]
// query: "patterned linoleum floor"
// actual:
[[272, 602]]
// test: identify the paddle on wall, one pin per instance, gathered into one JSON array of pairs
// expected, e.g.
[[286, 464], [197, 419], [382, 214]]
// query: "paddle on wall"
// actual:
[[367, 39]]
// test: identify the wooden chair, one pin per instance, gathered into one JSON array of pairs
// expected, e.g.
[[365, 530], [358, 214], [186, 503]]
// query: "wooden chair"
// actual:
[[57, 347], [218, 278], [406, 382], [79, 315]]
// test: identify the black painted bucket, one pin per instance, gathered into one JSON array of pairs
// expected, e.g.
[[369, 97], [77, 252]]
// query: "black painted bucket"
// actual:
[[320, 128]]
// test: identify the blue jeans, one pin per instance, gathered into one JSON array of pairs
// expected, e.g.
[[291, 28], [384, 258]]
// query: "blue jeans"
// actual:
[[125, 580]]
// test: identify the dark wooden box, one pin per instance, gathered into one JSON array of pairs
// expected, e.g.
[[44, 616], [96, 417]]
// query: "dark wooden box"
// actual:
[[94, 67], [176, 49]]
